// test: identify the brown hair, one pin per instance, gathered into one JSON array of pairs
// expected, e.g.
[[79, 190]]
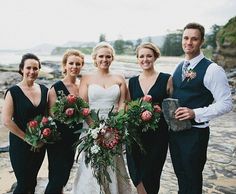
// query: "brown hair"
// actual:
[[196, 26], [150, 46], [69, 53], [24, 58]]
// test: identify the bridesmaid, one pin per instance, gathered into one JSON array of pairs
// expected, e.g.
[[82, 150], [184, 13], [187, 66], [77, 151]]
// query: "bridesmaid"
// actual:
[[61, 154], [145, 168], [23, 102]]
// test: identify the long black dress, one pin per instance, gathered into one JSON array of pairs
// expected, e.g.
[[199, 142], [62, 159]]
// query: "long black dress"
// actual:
[[25, 162], [147, 166], [61, 154]]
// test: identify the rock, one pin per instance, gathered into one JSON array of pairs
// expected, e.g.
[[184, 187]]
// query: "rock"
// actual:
[[225, 54], [169, 106], [4, 149]]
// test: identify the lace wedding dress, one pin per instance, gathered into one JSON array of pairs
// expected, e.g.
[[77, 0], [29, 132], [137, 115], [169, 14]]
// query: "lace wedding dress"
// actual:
[[85, 183]]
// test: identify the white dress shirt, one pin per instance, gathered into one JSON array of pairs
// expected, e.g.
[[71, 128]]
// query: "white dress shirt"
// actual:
[[216, 82]]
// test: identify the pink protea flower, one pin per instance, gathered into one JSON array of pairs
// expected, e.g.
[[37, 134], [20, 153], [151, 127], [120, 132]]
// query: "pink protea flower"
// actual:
[[44, 120], [146, 115], [147, 98], [157, 108], [33, 124], [46, 132], [85, 112], [70, 111], [109, 137], [71, 98]]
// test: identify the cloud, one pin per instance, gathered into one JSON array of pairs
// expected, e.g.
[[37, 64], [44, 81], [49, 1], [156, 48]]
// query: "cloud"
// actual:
[[26, 23]]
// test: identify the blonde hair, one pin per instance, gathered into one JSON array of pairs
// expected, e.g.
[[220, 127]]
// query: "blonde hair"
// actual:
[[102, 45], [68, 53], [151, 46]]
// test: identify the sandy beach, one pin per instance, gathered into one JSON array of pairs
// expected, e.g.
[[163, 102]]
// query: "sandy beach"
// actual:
[[219, 172]]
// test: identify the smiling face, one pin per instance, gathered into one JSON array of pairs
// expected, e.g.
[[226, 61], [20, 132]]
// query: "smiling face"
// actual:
[[30, 69], [191, 43], [73, 65], [103, 58], [146, 58]]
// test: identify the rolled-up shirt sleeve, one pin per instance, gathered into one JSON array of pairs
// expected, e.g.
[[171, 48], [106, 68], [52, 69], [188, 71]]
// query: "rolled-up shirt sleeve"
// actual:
[[215, 80]]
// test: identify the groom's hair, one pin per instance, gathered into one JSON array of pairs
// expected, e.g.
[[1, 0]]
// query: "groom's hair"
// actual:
[[197, 26]]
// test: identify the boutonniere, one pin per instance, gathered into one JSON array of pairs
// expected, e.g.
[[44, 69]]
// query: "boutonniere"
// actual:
[[190, 74]]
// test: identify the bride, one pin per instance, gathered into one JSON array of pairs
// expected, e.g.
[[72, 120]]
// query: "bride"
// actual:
[[102, 90]]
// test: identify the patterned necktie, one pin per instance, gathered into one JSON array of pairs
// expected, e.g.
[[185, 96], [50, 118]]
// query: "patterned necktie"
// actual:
[[184, 69]]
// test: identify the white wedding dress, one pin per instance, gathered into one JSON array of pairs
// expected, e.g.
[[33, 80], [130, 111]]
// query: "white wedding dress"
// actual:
[[85, 183]]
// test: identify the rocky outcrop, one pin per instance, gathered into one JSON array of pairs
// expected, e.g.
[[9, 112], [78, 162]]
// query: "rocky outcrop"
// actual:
[[225, 54]]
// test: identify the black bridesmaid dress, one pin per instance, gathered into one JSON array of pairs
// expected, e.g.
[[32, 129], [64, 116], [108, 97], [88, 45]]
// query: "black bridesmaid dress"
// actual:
[[25, 163], [61, 154], [147, 166]]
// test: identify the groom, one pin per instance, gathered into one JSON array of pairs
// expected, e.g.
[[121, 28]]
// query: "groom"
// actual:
[[201, 86]]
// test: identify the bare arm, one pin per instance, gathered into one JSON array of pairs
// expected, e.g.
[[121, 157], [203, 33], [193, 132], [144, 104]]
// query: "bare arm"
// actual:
[[52, 97], [83, 89], [169, 87], [7, 114], [123, 94]]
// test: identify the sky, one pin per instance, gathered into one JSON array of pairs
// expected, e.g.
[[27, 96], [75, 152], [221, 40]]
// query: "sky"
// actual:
[[27, 23]]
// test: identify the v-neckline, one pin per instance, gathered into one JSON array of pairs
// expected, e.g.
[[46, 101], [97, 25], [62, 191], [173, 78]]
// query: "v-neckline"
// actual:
[[28, 97], [148, 93], [65, 88]]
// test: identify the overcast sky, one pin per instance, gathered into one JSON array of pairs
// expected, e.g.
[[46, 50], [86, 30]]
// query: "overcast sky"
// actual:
[[27, 23]]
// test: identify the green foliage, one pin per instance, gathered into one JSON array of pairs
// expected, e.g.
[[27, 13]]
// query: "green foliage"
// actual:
[[142, 115], [102, 144], [123, 47], [41, 129], [227, 34], [119, 46], [62, 50], [208, 52], [102, 37], [210, 39], [138, 42], [70, 109], [173, 44]]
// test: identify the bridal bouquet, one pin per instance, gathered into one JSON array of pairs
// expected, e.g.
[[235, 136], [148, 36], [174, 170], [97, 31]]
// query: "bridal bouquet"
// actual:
[[142, 114], [70, 109], [102, 143], [41, 129]]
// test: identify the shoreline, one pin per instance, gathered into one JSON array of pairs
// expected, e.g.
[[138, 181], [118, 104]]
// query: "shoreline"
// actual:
[[220, 169]]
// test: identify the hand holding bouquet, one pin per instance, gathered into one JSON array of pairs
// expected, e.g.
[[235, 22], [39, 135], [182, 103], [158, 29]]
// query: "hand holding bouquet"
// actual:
[[142, 114], [41, 130], [70, 109]]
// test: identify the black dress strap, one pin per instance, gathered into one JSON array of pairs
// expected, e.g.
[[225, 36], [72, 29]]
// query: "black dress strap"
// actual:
[[60, 86]]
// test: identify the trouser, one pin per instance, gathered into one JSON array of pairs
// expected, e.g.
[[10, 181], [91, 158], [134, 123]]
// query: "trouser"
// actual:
[[188, 151], [25, 163], [146, 165], [60, 161]]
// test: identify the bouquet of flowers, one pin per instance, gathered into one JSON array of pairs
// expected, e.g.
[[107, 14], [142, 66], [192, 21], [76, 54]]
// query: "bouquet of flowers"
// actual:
[[142, 114], [102, 143], [41, 129], [70, 109]]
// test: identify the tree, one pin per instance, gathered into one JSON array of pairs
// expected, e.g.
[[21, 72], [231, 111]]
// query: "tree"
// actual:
[[149, 39], [211, 38], [173, 44], [119, 46], [102, 37], [138, 42]]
